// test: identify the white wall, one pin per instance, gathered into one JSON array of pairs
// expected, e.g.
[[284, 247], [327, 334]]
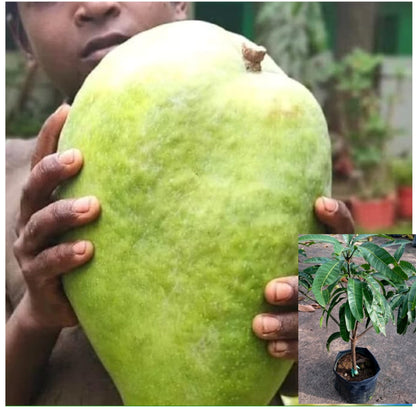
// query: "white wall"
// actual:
[[401, 92]]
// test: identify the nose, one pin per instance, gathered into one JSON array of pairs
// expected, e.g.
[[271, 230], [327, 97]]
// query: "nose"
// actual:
[[95, 11]]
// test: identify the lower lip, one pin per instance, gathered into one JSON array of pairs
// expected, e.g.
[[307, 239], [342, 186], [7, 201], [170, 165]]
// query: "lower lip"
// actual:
[[96, 56]]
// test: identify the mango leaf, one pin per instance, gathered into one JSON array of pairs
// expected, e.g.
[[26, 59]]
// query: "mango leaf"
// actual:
[[318, 238], [411, 300], [399, 252], [361, 237], [335, 299], [403, 307], [331, 338], [348, 238], [345, 335], [402, 323], [367, 294], [376, 307], [407, 267], [411, 315], [321, 238], [377, 317], [388, 314], [380, 259], [396, 301], [319, 260], [355, 298], [349, 318], [327, 274]]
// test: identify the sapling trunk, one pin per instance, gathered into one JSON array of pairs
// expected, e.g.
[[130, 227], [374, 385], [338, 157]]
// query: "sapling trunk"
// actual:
[[354, 369]]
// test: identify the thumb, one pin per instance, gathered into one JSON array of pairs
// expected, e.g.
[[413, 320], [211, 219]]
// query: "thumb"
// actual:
[[334, 215]]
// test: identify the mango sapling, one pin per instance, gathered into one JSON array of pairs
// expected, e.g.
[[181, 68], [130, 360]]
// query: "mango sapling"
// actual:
[[365, 282]]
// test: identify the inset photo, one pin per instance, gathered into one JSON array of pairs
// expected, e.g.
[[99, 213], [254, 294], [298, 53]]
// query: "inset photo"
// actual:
[[357, 329]]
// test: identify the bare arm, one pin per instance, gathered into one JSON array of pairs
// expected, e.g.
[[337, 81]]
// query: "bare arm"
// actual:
[[27, 351]]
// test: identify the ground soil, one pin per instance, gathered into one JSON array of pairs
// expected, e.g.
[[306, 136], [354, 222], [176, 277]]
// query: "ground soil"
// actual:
[[366, 365]]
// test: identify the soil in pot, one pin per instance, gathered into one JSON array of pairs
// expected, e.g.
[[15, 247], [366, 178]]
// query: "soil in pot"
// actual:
[[367, 367]]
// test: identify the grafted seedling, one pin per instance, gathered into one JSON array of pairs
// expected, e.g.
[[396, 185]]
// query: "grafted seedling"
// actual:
[[367, 284]]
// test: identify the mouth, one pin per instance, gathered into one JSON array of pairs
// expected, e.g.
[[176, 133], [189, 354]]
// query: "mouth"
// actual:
[[98, 47]]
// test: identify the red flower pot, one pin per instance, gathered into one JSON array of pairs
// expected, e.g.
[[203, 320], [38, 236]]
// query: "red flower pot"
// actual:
[[373, 214], [404, 201]]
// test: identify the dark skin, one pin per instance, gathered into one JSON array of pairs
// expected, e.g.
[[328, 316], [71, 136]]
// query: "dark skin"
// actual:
[[57, 36]]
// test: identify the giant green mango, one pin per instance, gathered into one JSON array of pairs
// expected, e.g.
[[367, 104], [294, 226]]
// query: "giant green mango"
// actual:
[[207, 163]]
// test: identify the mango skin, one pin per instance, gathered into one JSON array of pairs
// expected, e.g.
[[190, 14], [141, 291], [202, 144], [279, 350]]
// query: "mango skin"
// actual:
[[206, 174]]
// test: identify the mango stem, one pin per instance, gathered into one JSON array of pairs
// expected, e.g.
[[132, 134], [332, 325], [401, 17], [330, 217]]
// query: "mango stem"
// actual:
[[253, 55]]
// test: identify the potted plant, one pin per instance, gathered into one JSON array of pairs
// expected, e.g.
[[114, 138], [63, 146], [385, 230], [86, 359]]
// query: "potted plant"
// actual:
[[367, 287], [401, 169], [365, 132]]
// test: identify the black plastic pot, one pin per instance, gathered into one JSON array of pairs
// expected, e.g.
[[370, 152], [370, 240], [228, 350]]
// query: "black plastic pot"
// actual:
[[356, 391]]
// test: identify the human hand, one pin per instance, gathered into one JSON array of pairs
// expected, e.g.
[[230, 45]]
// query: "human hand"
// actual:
[[334, 215], [40, 222], [280, 329]]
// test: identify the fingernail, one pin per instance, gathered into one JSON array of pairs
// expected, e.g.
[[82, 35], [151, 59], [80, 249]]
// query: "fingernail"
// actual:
[[79, 247], [331, 205], [279, 346], [82, 205], [270, 325], [283, 292], [67, 157], [60, 108]]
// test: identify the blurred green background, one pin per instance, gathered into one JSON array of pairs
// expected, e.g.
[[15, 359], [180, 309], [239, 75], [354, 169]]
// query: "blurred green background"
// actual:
[[356, 57]]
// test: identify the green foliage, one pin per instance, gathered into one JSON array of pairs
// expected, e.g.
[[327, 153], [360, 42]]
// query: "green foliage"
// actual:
[[30, 97], [364, 127], [295, 36], [370, 285], [401, 169]]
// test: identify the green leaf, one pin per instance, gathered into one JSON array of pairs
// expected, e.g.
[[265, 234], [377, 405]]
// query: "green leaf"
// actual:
[[396, 301], [349, 318], [404, 306], [361, 237], [402, 323], [319, 260], [321, 238], [411, 300], [345, 335], [399, 252], [407, 267], [367, 294], [331, 338], [318, 238], [334, 302], [327, 274], [355, 298], [348, 238], [380, 259], [411, 315], [376, 307]]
